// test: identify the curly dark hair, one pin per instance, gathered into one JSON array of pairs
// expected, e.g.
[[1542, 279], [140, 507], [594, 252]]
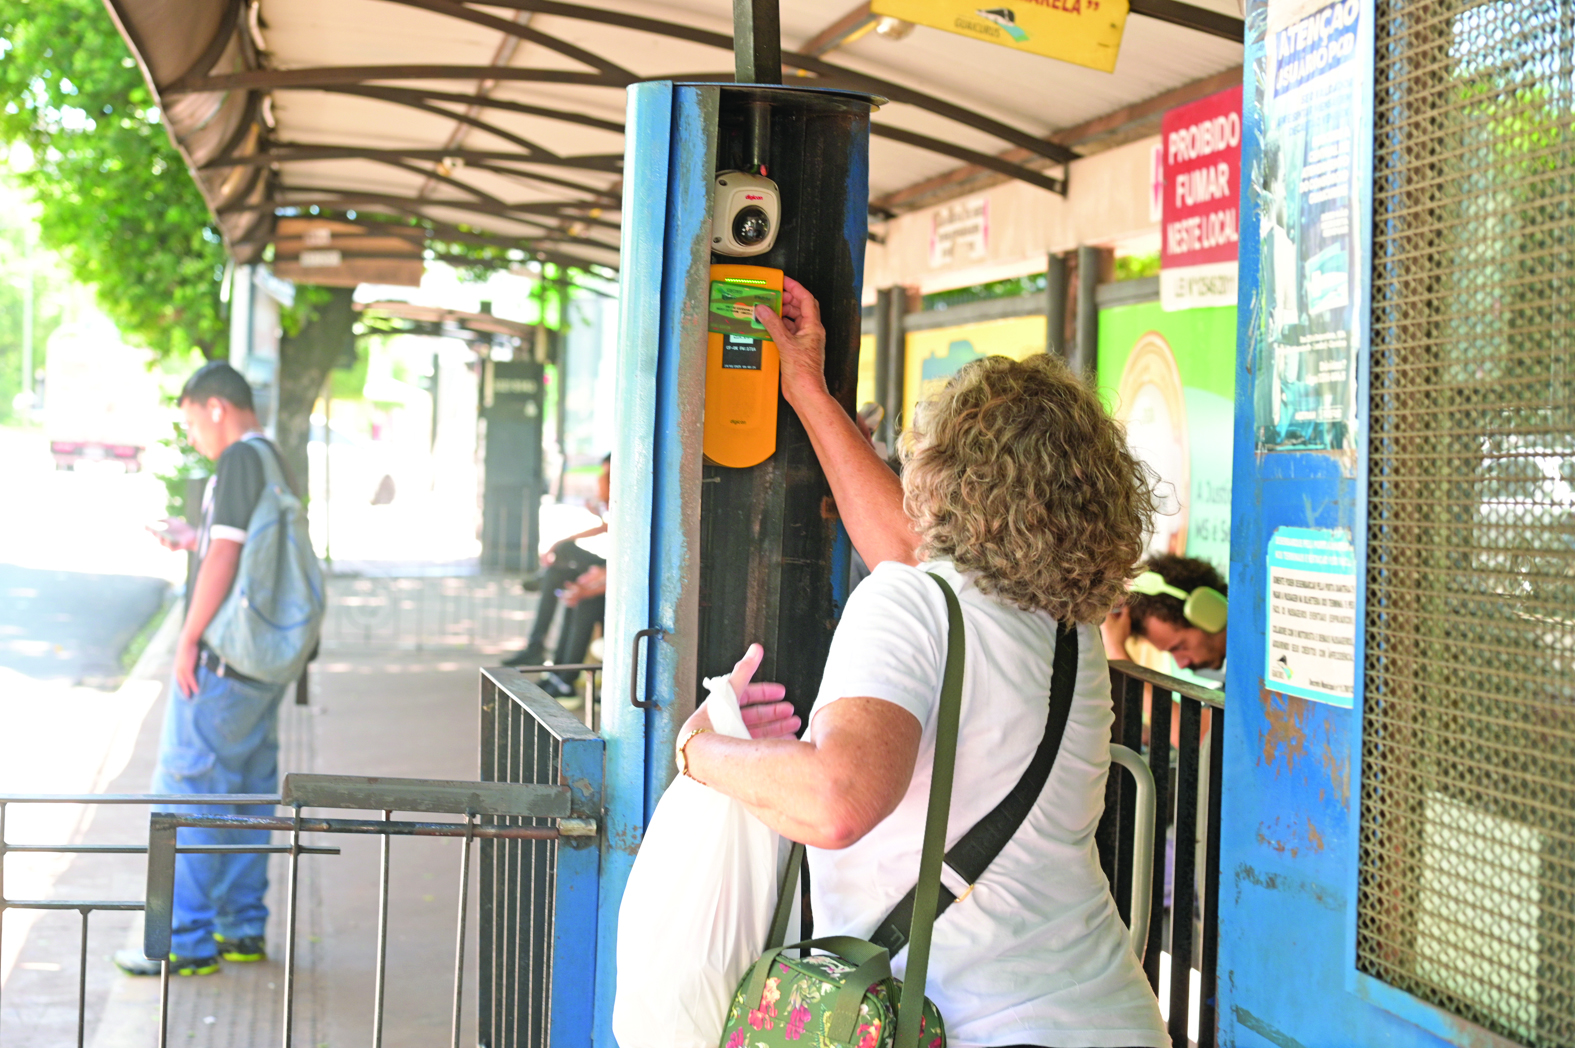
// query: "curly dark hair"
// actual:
[[1017, 473], [1184, 573]]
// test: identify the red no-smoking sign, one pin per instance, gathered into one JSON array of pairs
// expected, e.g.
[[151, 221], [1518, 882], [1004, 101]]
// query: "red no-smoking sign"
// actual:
[[1201, 215]]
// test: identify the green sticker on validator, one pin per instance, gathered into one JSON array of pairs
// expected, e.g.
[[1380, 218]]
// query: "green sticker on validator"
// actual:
[[733, 302]]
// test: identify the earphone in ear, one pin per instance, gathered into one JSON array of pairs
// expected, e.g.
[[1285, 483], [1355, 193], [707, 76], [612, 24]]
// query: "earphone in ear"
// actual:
[[218, 413], [1204, 607]]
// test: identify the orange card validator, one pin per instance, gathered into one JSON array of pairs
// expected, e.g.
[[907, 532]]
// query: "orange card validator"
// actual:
[[742, 372]]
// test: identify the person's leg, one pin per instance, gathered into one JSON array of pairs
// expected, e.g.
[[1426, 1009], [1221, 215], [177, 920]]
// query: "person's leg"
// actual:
[[187, 765], [574, 640], [242, 914], [569, 562], [208, 745]]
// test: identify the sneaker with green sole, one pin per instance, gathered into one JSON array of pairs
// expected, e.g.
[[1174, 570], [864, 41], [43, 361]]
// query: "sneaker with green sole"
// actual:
[[242, 950], [133, 962]]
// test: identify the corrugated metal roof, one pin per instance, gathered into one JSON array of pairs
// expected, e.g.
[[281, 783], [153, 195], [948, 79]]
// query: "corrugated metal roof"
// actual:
[[503, 121]]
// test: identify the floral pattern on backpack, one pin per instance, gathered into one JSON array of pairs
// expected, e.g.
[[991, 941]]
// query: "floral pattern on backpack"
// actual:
[[796, 1008]]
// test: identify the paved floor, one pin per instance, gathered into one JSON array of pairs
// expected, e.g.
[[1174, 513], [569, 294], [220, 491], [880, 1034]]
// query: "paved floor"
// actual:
[[68, 625], [372, 713]]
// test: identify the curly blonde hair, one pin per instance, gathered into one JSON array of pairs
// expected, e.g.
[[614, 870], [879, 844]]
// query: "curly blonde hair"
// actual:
[[1015, 472]]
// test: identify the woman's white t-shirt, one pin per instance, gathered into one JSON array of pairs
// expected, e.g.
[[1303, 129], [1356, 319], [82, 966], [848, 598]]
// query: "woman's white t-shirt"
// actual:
[[1037, 953]]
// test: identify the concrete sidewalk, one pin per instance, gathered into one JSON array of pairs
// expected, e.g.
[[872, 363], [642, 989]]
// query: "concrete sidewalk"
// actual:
[[372, 712]]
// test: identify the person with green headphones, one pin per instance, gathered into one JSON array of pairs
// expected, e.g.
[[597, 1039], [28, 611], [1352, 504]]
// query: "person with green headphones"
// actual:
[[1178, 605]]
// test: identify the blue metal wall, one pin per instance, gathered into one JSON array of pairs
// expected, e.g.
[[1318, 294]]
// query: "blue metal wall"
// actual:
[[1289, 853], [668, 160]]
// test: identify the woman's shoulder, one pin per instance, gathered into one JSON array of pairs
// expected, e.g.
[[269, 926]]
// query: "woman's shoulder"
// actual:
[[897, 599], [895, 581]]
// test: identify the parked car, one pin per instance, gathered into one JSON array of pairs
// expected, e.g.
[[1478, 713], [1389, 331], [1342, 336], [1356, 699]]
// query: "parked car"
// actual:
[[101, 404]]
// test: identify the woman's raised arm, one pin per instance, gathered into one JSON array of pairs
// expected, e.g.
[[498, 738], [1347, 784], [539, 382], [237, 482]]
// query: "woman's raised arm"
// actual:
[[868, 493]]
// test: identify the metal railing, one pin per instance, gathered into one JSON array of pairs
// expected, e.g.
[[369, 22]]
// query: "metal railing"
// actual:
[[593, 682], [1187, 780], [538, 904], [437, 613], [549, 809], [512, 813], [87, 907]]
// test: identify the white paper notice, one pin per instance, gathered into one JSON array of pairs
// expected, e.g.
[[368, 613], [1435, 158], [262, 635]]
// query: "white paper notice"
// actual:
[[1312, 615]]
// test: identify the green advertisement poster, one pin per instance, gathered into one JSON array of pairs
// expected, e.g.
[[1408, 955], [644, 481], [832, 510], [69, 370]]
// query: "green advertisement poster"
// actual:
[[1171, 378]]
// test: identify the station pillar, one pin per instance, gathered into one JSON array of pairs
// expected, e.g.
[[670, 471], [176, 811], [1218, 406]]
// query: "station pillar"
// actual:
[[708, 558]]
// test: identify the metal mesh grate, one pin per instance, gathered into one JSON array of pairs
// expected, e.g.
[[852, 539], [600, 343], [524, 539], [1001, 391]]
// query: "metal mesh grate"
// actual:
[[1467, 894]]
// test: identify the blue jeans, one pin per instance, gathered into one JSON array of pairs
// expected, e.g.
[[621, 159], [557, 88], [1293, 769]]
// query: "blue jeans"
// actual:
[[224, 739]]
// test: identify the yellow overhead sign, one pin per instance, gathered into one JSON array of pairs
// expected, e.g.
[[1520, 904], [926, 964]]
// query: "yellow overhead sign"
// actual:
[[1084, 32]]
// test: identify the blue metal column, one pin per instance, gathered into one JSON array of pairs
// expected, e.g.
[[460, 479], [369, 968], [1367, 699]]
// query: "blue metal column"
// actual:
[[654, 514], [1290, 840], [769, 547]]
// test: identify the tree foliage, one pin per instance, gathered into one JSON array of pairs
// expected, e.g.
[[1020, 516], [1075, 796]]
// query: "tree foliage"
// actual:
[[25, 270], [116, 202]]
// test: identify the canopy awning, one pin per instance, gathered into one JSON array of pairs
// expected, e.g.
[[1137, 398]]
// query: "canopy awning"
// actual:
[[500, 125]]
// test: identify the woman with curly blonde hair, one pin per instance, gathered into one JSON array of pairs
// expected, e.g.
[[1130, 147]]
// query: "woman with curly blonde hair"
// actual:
[[1018, 490]]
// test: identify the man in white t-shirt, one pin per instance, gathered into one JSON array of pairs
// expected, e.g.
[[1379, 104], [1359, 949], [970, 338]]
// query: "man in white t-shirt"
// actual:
[[574, 568], [1020, 492]]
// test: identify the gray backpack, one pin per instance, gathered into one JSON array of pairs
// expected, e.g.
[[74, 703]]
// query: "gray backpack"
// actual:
[[267, 627]]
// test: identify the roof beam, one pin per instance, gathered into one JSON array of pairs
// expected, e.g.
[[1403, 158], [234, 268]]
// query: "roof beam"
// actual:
[[606, 199], [288, 153], [432, 230], [507, 105], [464, 118], [358, 198], [842, 32], [809, 63], [449, 180], [531, 254], [1116, 128], [221, 40], [454, 236], [1189, 16], [524, 32], [994, 163], [352, 76], [597, 197]]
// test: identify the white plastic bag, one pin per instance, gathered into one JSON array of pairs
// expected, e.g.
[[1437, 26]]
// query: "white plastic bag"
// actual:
[[697, 908]]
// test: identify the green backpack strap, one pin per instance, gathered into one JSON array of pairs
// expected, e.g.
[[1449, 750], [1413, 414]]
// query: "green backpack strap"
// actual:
[[874, 962], [784, 911], [910, 1011]]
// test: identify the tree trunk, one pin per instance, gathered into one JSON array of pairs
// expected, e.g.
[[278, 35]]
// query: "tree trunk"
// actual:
[[304, 362]]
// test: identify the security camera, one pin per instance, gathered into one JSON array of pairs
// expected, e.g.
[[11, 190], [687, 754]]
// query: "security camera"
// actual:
[[745, 212]]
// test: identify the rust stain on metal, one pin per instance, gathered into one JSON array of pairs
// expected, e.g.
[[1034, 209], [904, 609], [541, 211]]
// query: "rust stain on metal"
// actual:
[[1291, 838], [1287, 717], [1338, 764]]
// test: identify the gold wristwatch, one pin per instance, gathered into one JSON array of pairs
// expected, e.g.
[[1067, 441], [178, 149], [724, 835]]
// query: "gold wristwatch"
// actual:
[[682, 758]]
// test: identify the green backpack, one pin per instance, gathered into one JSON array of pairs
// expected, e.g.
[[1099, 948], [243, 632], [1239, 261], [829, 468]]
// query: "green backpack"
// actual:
[[846, 997]]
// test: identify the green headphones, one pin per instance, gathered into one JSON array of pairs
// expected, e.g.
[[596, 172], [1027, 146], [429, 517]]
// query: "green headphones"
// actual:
[[1204, 607]]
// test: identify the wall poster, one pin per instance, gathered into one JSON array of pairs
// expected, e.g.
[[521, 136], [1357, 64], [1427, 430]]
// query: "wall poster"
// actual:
[[1310, 313], [1170, 379], [934, 355], [1311, 632]]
